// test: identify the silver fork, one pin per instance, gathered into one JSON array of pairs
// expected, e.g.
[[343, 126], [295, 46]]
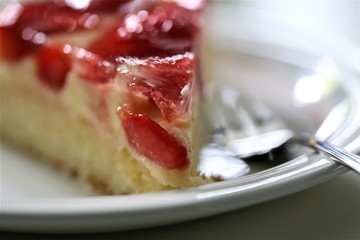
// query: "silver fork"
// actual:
[[244, 128]]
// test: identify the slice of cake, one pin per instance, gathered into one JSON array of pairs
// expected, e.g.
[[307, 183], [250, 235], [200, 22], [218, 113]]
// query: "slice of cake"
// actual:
[[105, 90]]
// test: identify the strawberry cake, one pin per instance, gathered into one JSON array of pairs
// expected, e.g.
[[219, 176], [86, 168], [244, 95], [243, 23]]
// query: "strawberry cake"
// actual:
[[104, 90]]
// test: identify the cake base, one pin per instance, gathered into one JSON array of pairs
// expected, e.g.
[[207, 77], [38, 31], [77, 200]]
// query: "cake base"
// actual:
[[35, 123]]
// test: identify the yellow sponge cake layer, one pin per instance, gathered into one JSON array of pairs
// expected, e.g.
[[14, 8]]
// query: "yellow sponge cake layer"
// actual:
[[40, 123]]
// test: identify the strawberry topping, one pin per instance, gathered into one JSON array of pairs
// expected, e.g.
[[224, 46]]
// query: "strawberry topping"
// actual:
[[17, 20], [159, 31], [91, 67], [58, 15], [149, 139], [12, 47], [53, 64], [24, 30]]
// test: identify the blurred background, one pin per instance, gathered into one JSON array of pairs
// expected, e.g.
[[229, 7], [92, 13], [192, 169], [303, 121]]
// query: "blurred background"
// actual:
[[321, 24], [321, 17]]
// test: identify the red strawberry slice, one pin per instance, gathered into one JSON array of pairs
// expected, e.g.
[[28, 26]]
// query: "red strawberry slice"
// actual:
[[53, 66], [152, 141], [64, 15], [91, 68], [159, 31], [19, 21], [48, 17], [12, 47]]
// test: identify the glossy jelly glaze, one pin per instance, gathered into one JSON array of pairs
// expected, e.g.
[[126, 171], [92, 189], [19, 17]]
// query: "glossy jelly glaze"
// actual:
[[152, 39]]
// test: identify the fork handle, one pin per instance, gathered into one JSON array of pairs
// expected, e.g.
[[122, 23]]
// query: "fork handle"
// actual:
[[338, 154]]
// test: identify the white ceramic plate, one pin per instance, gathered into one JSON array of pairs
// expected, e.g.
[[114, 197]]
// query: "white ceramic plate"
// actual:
[[264, 66]]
